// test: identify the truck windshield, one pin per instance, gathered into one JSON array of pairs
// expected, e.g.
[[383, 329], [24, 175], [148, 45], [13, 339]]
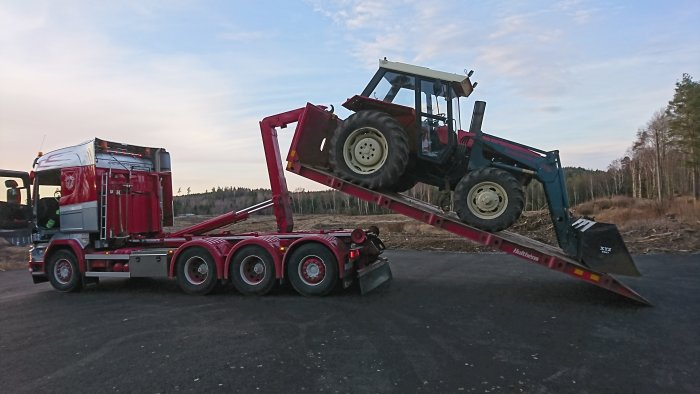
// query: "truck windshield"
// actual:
[[47, 192]]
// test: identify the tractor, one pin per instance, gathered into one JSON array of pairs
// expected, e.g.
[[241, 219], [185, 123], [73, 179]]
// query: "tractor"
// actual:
[[404, 130]]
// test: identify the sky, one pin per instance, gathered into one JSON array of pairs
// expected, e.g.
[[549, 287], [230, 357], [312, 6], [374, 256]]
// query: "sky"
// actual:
[[196, 77]]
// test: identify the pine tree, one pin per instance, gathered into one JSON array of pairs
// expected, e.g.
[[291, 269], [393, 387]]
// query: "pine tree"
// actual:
[[684, 121]]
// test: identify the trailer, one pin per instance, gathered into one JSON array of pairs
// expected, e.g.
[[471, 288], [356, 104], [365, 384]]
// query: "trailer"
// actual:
[[308, 157]]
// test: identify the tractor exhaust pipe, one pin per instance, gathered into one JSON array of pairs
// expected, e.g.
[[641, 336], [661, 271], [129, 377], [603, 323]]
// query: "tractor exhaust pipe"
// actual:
[[477, 117]]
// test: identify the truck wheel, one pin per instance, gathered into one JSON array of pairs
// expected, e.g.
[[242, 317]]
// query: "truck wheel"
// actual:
[[63, 271], [369, 148], [252, 271], [196, 271], [312, 270], [489, 199]]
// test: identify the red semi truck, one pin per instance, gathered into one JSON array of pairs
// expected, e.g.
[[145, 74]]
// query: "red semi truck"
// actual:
[[99, 209]]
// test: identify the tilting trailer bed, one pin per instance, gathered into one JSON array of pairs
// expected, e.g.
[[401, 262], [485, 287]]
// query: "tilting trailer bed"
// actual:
[[308, 157]]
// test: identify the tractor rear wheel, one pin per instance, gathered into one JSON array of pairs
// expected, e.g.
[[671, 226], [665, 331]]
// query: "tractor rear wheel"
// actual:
[[369, 148], [405, 183], [489, 199]]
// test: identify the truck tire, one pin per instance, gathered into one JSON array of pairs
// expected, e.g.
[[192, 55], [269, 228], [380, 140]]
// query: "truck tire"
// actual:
[[63, 271], [196, 271], [312, 270], [369, 148], [252, 271], [489, 199]]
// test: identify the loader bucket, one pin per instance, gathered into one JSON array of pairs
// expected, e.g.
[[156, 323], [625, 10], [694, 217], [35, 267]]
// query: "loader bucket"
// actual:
[[374, 275], [600, 247]]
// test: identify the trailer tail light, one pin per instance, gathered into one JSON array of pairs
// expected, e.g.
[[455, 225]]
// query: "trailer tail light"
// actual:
[[358, 236], [354, 254]]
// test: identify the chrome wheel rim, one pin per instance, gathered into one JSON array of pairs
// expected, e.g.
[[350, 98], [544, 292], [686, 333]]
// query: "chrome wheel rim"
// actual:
[[63, 271], [253, 270], [312, 270], [196, 270]]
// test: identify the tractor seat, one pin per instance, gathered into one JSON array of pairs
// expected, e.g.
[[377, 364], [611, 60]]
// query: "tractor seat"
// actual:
[[13, 194]]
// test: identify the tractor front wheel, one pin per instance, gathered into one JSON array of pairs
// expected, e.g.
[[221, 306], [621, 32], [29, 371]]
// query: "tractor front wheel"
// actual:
[[369, 148], [489, 199]]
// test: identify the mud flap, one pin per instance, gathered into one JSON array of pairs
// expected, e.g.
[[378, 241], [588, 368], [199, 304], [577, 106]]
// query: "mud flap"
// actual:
[[374, 275], [39, 278], [600, 247]]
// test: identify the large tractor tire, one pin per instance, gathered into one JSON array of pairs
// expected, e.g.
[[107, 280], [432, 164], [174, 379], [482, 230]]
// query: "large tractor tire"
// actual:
[[369, 148], [489, 199], [405, 183]]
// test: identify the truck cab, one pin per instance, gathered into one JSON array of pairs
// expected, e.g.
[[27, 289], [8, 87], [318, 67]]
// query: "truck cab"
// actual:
[[91, 196]]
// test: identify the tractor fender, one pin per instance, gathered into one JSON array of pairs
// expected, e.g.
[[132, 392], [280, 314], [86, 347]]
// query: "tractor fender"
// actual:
[[335, 245], [71, 244], [270, 243], [218, 248]]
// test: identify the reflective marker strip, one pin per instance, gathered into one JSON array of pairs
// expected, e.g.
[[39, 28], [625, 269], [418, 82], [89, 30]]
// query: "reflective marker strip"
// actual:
[[595, 278], [583, 224], [578, 272]]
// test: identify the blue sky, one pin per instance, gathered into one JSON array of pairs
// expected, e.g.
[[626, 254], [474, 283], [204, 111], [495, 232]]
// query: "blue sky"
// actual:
[[195, 77]]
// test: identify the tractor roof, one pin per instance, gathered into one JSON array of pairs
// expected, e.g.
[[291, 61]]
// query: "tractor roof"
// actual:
[[460, 83]]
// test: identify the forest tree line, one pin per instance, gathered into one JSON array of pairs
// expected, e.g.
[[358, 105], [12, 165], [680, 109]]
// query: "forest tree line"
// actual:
[[663, 162]]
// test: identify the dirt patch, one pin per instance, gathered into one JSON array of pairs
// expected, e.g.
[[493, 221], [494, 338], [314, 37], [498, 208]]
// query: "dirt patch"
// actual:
[[12, 257]]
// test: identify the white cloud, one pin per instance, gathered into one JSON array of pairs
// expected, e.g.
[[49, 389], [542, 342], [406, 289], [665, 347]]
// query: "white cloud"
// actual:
[[357, 14], [233, 34]]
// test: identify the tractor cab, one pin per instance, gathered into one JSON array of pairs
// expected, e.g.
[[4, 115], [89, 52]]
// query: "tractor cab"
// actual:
[[15, 207], [424, 101]]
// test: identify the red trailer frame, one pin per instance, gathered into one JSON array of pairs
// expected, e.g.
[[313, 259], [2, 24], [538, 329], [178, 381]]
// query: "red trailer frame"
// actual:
[[307, 157]]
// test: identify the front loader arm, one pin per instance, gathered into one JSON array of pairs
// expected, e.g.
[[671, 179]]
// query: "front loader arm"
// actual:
[[598, 245]]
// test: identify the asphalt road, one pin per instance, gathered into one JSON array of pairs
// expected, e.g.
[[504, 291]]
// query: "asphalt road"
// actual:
[[448, 322]]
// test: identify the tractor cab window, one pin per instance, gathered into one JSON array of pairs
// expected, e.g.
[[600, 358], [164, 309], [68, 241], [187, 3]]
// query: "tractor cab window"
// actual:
[[437, 132], [47, 193], [395, 88]]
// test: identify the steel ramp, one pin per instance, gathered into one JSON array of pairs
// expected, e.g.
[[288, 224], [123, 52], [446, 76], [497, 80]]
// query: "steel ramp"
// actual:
[[528, 249]]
